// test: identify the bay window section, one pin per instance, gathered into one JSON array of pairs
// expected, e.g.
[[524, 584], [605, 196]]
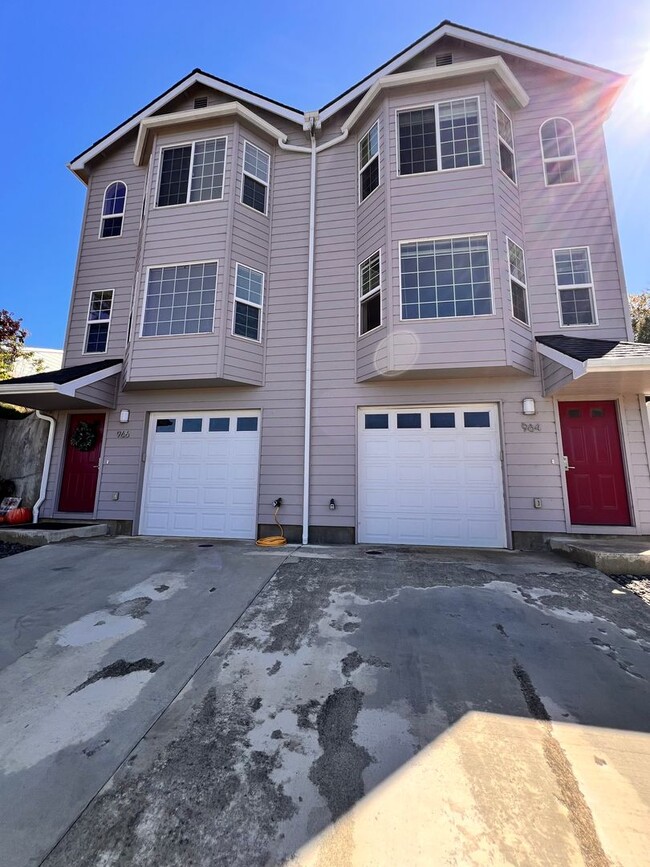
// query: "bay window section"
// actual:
[[192, 172], [445, 277], [249, 297], [180, 300], [370, 293], [445, 135], [574, 286]]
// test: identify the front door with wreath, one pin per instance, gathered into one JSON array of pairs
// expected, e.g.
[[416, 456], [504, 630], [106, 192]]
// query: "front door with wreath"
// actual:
[[81, 467]]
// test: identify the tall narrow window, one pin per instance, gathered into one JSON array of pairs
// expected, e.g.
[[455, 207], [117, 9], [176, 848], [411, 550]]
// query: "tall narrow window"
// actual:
[[518, 290], [99, 319], [113, 210], [370, 293], [255, 179], [506, 144], [369, 162], [249, 297], [575, 286], [192, 172], [180, 300], [446, 135], [559, 152]]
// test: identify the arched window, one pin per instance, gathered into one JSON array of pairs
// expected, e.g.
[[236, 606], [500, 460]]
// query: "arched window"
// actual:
[[559, 152], [113, 210]]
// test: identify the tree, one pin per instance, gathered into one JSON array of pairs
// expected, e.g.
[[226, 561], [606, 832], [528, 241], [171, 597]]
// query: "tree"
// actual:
[[640, 310], [12, 343]]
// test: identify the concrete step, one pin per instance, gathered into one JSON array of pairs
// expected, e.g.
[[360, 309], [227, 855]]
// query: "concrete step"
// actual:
[[34, 537], [613, 555]]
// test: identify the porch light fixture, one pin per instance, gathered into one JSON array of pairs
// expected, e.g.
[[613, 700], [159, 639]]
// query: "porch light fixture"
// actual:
[[528, 406], [124, 416]]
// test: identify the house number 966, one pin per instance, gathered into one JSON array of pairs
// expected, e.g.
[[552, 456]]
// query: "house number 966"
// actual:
[[123, 434]]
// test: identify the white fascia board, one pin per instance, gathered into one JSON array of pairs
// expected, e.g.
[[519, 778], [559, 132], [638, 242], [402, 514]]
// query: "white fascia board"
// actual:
[[78, 165], [213, 112], [69, 388], [485, 66], [499, 45], [577, 368], [618, 364], [29, 388]]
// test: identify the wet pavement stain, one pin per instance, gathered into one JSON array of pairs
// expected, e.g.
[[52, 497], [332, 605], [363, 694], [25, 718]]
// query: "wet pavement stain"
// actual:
[[119, 668]]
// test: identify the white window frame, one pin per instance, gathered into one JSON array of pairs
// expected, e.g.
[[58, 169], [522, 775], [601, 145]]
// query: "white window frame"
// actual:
[[434, 105], [90, 321], [590, 286], [187, 201], [260, 307], [197, 334], [377, 290], [524, 285], [449, 238], [104, 217], [245, 174], [362, 168], [500, 140], [546, 160]]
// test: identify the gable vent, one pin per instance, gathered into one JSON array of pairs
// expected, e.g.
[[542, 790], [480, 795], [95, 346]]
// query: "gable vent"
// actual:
[[201, 102], [444, 59]]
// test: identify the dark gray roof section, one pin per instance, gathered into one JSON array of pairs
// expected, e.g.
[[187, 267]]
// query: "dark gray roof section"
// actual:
[[584, 348], [65, 374]]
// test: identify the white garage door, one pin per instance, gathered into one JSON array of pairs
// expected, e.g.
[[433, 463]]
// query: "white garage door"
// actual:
[[431, 476], [201, 475]]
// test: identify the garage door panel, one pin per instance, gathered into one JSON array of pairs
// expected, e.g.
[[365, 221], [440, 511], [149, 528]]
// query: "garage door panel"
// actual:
[[201, 482]]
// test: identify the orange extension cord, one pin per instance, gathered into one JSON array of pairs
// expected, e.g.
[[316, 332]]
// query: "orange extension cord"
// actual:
[[273, 541]]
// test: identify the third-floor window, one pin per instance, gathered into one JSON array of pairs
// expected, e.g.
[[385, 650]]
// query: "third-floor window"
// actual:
[[255, 178], [369, 162], [192, 172], [445, 135]]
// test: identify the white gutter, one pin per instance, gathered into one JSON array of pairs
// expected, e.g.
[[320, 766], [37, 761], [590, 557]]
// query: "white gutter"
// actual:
[[46, 464]]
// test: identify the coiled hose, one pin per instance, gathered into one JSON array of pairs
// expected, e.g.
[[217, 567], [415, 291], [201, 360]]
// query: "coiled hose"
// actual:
[[273, 541]]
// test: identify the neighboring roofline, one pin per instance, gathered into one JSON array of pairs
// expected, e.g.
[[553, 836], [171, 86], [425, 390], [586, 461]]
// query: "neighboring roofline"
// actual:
[[161, 121], [14, 391], [478, 37], [78, 164], [593, 365], [483, 66]]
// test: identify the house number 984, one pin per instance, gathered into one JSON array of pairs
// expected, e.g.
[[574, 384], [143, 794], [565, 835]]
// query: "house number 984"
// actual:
[[123, 434]]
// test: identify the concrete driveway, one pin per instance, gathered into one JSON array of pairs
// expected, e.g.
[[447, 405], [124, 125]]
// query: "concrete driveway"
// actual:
[[382, 708]]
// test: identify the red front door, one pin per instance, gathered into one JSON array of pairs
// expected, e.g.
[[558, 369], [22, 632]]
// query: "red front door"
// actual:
[[592, 449], [81, 467]]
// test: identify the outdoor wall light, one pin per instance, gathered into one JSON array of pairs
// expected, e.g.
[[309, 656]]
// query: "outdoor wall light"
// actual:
[[124, 416], [528, 406], [332, 504]]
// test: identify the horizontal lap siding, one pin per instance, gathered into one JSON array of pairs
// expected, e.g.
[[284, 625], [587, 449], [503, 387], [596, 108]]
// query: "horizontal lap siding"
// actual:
[[554, 375], [104, 391], [636, 429]]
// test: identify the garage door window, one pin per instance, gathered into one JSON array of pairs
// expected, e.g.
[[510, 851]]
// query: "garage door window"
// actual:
[[246, 424], [192, 425], [166, 425], [443, 419], [376, 421], [219, 425], [409, 420], [477, 419]]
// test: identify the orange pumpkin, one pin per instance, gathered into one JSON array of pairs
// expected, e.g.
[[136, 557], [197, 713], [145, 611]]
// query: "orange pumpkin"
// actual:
[[19, 516]]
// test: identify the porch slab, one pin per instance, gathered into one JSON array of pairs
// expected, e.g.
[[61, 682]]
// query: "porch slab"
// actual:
[[613, 555], [34, 537]]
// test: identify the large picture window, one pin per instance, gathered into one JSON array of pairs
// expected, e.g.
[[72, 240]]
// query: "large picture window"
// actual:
[[446, 135], [255, 178], [518, 285], [369, 162], [445, 277], [180, 300], [370, 293], [249, 297], [192, 172], [574, 286], [98, 321]]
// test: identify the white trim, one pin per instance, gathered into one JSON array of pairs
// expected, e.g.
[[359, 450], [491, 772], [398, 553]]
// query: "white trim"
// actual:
[[266, 184], [572, 67], [500, 139], [78, 165], [89, 379], [259, 307], [436, 117], [104, 217], [191, 144], [90, 321], [619, 364], [590, 286], [195, 334], [577, 368], [448, 238], [370, 294], [573, 157], [45, 475], [362, 168], [68, 389], [524, 286]]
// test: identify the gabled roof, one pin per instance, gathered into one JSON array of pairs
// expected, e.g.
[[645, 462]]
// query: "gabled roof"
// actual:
[[584, 349]]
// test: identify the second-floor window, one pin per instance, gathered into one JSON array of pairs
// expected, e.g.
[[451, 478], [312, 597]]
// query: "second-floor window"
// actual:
[[99, 320], [506, 144], [575, 286], [369, 162], [445, 277], [559, 152], [370, 293], [445, 135], [192, 172], [518, 286], [255, 178], [249, 296], [113, 210], [180, 300]]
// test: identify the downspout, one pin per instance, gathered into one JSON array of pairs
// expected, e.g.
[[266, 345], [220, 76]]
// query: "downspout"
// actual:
[[46, 464]]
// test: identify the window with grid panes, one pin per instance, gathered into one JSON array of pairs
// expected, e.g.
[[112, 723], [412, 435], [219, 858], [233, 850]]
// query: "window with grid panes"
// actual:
[[249, 296], [369, 162], [98, 322], [446, 135], [192, 172], [559, 152], [518, 290], [574, 285], [370, 293], [113, 210], [506, 144], [255, 180], [180, 300]]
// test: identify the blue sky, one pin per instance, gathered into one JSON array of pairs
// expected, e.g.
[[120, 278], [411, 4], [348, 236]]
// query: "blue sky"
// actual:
[[72, 71]]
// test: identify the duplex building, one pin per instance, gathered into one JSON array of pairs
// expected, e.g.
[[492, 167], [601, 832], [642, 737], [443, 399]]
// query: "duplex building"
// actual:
[[403, 314]]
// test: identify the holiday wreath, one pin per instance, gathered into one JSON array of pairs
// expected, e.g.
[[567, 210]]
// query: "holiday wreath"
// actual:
[[84, 437]]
